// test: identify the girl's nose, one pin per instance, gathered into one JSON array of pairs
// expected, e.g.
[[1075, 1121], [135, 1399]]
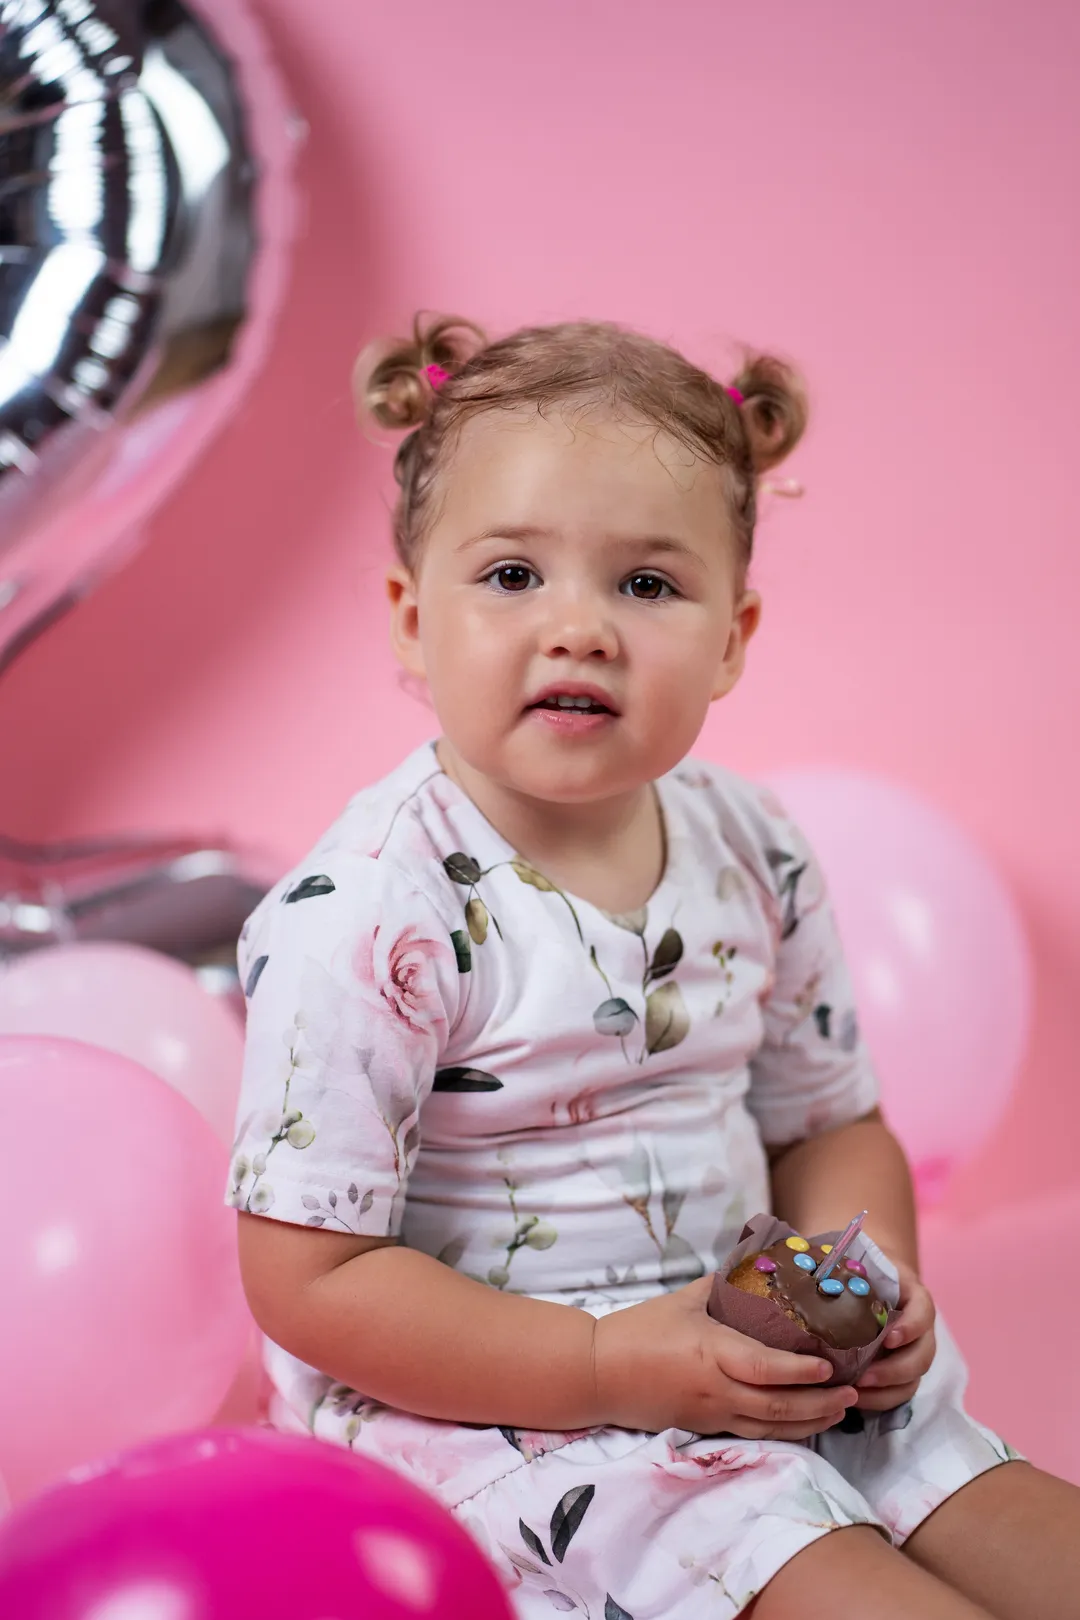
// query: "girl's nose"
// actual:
[[579, 627]]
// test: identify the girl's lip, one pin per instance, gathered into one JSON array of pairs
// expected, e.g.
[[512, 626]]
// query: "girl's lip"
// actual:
[[571, 722]]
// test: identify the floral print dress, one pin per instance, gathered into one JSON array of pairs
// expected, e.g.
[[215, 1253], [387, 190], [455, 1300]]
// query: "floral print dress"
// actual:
[[444, 1046]]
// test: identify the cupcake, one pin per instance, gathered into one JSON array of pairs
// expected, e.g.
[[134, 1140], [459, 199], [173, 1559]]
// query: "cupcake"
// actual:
[[768, 1288]]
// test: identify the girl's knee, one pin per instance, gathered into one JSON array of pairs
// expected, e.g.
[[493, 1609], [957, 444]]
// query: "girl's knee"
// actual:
[[852, 1572]]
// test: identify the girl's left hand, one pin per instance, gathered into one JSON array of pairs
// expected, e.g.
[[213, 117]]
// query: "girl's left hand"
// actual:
[[894, 1377]]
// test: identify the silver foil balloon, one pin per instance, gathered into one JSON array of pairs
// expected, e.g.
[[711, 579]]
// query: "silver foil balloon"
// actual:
[[181, 896], [126, 241], [145, 220]]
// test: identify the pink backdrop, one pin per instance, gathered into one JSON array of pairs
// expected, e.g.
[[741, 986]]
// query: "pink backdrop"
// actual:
[[888, 195]]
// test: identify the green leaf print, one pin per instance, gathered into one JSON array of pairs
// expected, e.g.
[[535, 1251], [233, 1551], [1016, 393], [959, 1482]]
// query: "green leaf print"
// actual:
[[254, 975], [533, 1542], [476, 920], [309, 888], [672, 1200], [667, 1021], [634, 922], [679, 1262], [451, 1252], [615, 1611], [559, 1600], [525, 1565], [848, 1037], [462, 1079], [822, 1016], [459, 939], [567, 1517], [461, 868], [614, 1017], [666, 957], [536, 880]]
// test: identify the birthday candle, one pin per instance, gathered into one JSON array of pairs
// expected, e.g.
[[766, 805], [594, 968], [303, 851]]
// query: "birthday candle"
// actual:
[[842, 1244]]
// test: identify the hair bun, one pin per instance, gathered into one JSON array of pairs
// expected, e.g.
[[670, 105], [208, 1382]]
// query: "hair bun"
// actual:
[[774, 409], [391, 381]]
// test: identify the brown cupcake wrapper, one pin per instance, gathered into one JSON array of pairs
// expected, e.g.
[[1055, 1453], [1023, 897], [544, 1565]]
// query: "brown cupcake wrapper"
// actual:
[[765, 1321]]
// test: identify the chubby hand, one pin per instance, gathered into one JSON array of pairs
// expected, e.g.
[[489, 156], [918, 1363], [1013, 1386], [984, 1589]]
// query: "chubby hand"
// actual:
[[896, 1374], [666, 1364]]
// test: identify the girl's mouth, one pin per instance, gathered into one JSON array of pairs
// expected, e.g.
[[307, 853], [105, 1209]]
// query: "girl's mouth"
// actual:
[[570, 713]]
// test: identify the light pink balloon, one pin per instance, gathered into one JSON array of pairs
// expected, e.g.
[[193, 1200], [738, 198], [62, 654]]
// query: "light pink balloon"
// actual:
[[937, 952], [123, 1314], [139, 1003]]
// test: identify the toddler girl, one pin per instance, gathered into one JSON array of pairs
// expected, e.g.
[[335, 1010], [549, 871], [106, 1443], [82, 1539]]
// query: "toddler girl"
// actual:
[[549, 1011]]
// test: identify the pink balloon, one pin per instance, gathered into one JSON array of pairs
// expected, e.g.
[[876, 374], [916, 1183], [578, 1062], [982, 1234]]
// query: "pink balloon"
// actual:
[[938, 956], [123, 1314], [225, 1524], [137, 1002]]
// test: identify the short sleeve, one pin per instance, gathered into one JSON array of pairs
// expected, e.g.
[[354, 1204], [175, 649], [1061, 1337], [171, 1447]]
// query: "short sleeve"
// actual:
[[352, 987], [812, 1072]]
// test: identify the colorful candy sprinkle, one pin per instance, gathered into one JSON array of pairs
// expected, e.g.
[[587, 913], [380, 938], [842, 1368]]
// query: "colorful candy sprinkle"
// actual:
[[826, 1248], [763, 1263], [858, 1285], [857, 1267], [881, 1316], [799, 1244], [831, 1286], [804, 1262]]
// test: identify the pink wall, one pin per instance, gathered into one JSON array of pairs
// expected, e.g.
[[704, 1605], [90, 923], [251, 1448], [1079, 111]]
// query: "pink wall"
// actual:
[[888, 194]]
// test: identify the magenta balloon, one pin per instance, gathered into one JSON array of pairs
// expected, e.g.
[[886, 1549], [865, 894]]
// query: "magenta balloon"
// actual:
[[234, 1523], [937, 953], [123, 1315]]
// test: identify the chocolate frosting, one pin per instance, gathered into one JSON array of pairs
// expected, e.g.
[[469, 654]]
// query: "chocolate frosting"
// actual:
[[845, 1320]]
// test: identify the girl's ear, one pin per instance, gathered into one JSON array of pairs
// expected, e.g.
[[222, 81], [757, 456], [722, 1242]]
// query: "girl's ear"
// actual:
[[404, 619], [746, 620]]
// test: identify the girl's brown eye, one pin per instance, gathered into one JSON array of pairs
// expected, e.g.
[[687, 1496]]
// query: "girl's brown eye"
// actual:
[[648, 587], [514, 577]]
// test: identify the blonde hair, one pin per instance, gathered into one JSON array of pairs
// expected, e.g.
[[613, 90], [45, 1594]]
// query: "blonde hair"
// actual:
[[431, 383]]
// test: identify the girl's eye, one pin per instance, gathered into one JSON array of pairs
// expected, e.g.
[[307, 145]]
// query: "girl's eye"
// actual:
[[511, 577], [647, 587]]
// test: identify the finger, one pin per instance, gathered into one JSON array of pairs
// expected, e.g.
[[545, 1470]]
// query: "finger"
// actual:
[[776, 1406], [916, 1316], [748, 1362], [887, 1400], [914, 1322], [750, 1429], [901, 1366]]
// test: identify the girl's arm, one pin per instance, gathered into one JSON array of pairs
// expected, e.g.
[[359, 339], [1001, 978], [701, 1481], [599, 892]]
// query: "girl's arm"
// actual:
[[410, 1332], [821, 1183]]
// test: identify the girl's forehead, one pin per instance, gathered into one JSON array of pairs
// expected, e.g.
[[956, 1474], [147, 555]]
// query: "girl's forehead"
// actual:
[[577, 456]]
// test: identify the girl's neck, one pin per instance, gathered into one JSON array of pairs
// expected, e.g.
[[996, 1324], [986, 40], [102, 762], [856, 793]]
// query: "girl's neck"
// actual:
[[609, 852]]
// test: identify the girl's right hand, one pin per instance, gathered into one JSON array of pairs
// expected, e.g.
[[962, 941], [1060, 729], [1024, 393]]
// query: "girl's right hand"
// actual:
[[666, 1364]]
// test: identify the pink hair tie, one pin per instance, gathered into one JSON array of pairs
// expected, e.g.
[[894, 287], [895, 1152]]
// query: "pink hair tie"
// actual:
[[736, 395], [436, 376]]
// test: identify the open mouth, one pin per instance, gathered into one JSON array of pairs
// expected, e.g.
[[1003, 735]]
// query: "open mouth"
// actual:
[[563, 704]]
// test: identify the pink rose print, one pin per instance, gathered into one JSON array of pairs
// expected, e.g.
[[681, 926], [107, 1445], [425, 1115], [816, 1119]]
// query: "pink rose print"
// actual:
[[402, 972]]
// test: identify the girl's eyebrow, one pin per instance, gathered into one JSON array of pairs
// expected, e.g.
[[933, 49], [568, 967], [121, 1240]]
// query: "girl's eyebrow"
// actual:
[[525, 532]]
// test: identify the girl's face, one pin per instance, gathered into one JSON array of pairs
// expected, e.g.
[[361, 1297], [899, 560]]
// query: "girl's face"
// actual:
[[577, 604]]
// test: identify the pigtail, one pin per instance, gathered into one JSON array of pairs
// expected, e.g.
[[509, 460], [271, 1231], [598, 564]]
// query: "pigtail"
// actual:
[[395, 381], [774, 409]]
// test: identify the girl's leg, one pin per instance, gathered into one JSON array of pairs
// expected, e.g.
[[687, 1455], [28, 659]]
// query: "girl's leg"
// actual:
[[1011, 1541], [854, 1574]]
